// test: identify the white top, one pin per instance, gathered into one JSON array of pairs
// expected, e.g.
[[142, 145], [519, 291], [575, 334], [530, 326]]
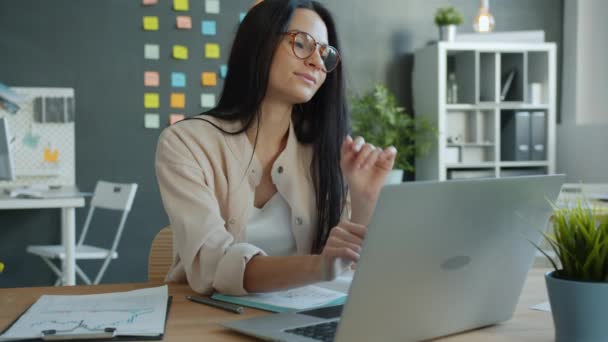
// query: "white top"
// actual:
[[269, 228]]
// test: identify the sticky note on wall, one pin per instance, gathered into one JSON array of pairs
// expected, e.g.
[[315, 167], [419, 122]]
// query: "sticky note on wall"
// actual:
[[212, 6], [150, 23], [223, 71], [151, 120], [178, 79], [207, 100], [208, 28], [151, 79], [151, 51], [149, 2], [183, 22], [173, 118], [212, 51], [151, 100], [181, 5], [209, 79], [180, 52], [178, 100]]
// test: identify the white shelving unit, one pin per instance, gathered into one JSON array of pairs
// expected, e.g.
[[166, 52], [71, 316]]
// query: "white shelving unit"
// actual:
[[474, 128]]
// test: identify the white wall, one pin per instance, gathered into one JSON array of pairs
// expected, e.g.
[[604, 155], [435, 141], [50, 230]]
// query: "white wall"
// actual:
[[582, 137]]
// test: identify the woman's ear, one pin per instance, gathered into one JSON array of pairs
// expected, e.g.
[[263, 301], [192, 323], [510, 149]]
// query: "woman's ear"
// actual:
[[255, 3]]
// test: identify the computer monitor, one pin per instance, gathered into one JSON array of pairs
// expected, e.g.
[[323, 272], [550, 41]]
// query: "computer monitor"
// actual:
[[7, 170]]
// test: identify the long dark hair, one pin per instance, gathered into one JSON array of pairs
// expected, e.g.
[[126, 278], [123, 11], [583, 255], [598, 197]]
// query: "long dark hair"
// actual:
[[322, 122]]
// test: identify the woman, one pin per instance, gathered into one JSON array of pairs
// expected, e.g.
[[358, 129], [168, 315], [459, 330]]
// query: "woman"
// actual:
[[255, 189]]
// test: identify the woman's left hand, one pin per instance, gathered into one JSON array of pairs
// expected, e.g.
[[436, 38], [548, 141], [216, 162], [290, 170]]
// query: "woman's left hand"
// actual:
[[365, 167]]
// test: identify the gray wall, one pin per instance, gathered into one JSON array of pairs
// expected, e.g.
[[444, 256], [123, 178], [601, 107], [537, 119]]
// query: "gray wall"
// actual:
[[105, 53], [581, 137]]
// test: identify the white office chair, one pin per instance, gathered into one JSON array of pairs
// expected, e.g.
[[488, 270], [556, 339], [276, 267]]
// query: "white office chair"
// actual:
[[113, 196]]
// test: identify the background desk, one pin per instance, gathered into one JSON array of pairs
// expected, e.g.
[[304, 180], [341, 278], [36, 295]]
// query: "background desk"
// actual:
[[68, 224], [190, 321]]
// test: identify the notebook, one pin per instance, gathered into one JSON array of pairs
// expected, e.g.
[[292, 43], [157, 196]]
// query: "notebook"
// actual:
[[137, 315], [300, 298]]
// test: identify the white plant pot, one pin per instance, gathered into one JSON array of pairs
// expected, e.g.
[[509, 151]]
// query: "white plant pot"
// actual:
[[447, 33], [395, 177]]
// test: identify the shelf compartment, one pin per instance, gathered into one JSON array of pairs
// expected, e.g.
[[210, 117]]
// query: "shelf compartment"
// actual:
[[538, 78], [487, 77], [523, 136], [512, 77], [522, 171], [463, 65], [471, 173]]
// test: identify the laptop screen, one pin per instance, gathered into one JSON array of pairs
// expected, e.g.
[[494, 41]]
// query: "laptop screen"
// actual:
[[324, 312]]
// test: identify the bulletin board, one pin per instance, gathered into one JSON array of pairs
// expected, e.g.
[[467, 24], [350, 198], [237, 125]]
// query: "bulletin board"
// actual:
[[42, 137]]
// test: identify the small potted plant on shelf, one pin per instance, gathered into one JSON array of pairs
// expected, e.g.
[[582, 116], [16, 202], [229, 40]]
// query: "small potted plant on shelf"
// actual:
[[578, 290], [448, 19], [377, 118]]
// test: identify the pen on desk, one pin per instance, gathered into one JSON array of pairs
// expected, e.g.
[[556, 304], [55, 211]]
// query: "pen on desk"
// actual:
[[217, 304]]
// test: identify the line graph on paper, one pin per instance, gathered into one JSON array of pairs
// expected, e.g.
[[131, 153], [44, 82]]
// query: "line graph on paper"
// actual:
[[138, 313], [121, 317]]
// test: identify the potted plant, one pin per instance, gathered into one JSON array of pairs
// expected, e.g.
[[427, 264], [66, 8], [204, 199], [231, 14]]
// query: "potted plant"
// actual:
[[578, 290], [448, 19], [377, 118]]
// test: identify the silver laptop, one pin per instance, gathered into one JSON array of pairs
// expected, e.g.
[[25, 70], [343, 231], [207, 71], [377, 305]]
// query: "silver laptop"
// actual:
[[439, 258]]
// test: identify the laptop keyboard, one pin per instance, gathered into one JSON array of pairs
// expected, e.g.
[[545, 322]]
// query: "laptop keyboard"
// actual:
[[321, 332]]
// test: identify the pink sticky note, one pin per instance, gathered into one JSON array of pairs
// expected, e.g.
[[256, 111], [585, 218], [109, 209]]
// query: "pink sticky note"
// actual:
[[173, 118], [184, 22], [149, 2], [151, 79]]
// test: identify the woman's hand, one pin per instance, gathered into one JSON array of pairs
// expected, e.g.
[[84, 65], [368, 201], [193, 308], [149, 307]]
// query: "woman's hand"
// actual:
[[342, 249], [365, 167]]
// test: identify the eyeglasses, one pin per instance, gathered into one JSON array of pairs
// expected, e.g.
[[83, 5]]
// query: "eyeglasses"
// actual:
[[304, 45]]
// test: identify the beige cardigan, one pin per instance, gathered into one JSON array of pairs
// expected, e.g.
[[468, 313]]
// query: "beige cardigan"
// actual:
[[207, 190]]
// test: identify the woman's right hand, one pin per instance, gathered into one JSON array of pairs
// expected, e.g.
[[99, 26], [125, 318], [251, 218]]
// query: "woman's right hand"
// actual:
[[342, 249]]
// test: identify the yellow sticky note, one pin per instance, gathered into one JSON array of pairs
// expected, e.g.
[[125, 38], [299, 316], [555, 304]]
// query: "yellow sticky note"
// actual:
[[181, 5], [178, 100], [180, 52], [209, 78], [151, 100], [150, 23], [51, 156], [212, 51]]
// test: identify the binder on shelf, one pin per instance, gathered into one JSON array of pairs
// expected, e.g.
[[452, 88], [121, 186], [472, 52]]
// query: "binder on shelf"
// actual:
[[515, 137], [538, 136]]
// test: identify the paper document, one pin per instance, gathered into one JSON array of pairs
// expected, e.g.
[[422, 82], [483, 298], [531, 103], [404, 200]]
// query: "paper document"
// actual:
[[295, 299], [542, 307], [135, 313]]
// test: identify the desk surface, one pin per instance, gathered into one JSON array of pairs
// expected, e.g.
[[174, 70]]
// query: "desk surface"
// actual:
[[66, 197], [190, 321]]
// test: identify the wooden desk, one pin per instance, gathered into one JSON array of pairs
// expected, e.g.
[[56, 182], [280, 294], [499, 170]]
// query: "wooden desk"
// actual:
[[189, 321], [68, 207]]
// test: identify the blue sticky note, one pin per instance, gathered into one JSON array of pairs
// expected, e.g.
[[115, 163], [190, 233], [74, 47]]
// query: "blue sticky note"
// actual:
[[208, 27], [223, 71], [242, 16], [31, 140], [178, 79]]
